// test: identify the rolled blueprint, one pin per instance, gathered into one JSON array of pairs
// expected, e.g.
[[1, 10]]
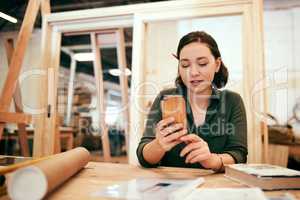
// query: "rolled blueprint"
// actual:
[[35, 181]]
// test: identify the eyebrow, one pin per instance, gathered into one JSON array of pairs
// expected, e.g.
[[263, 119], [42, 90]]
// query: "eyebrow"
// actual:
[[184, 59], [199, 58]]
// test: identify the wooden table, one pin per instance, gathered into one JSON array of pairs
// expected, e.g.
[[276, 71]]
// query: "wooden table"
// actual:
[[98, 175]]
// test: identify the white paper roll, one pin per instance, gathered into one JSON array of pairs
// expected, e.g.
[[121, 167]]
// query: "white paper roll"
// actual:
[[35, 181]]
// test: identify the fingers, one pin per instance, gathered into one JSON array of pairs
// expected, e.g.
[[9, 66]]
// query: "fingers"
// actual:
[[199, 158], [168, 133], [197, 149], [191, 138], [176, 136], [189, 148], [173, 144], [198, 155], [171, 129], [168, 145], [165, 122]]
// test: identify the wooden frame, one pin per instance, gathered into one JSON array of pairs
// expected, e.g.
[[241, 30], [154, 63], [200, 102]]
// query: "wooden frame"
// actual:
[[139, 15], [251, 12], [9, 46], [11, 87], [100, 94]]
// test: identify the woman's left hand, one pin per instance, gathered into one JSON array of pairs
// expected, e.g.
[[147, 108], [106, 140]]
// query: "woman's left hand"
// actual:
[[197, 150]]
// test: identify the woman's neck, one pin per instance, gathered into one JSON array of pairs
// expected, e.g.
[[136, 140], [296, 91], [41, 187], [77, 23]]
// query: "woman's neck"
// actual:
[[200, 100]]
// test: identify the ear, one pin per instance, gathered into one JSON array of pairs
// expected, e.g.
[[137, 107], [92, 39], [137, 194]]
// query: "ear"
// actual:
[[218, 64]]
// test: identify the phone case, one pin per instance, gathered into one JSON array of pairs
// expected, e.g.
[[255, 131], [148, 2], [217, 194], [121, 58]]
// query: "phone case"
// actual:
[[174, 106]]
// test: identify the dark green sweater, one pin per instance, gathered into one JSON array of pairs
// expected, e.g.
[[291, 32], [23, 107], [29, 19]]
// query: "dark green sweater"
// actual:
[[224, 129]]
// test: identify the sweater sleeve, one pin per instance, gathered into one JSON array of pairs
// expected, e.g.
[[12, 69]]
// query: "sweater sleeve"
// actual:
[[236, 129], [154, 116]]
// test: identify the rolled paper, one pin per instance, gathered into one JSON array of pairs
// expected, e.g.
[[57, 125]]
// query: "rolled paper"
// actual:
[[35, 181], [13, 167]]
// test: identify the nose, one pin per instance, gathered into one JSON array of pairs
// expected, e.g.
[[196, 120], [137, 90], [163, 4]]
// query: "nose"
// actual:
[[194, 71]]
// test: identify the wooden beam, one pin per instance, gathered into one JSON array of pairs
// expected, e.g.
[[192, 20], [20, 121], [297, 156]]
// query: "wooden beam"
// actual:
[[17, 57], [161, 7], [45, 7], [39, 146], [85, 32], [258, 34], [71, 90], [9, 46], [51, 135], [254, 149], [264, 129], [121, 54], [138, 78], [100, 98], [254, 96], [57, 148], [19, 118]]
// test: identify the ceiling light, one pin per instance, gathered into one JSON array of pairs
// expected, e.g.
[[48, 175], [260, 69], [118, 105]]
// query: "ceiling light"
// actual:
[[118, 72], [8, 18], [84, 56]]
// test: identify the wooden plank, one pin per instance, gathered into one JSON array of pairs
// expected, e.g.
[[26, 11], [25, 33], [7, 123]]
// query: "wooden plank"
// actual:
[[127, 21], [256, 102], [9, 46], [265, 134], [40, 119], [17, 57], [71, 90], [138, 70], [61, 17], [19, 118], [51, 136], [96, 24], [251, 99], [258, 48], [121, 55], [45, 7], [57, 148], [278, 155], [193, 12], [104, 31], [18, 54], [100, 97]]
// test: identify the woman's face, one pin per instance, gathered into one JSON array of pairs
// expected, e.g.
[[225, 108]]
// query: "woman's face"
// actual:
[[197, 67]]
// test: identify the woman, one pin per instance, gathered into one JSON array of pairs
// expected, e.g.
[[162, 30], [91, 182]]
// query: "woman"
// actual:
[[217, 127]]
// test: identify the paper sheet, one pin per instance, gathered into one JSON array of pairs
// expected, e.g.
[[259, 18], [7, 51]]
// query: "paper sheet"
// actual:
[[145, 188], [227, 194]]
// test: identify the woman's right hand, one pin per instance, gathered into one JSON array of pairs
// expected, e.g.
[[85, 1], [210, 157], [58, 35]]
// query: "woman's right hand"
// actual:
[[168, 133]]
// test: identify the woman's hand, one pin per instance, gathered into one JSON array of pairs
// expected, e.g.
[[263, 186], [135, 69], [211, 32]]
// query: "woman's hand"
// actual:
[[168, 133], [197, 150]]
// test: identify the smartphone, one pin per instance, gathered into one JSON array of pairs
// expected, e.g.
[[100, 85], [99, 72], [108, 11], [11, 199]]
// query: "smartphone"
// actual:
[[174, 106]]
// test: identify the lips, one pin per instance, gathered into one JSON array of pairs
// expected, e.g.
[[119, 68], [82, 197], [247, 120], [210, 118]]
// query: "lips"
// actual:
[[196, 82]]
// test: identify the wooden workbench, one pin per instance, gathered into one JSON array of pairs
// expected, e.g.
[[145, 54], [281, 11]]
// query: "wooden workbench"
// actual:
[[98, 175]]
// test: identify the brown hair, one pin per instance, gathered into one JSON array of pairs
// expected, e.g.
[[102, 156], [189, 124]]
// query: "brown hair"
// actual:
[[220, 77]]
